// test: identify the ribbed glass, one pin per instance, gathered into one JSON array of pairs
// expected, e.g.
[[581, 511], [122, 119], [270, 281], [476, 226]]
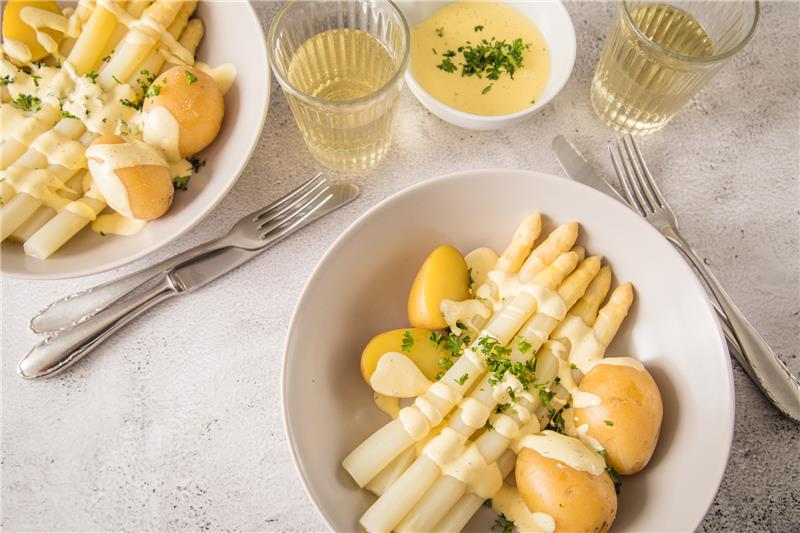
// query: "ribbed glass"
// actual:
[[341, 66], [659, 54]]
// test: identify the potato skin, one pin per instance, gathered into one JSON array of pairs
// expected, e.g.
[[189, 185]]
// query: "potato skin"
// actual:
[[578, 501], [631, 403], [423, 353], [149, 187], [198, 107], [443, 276], [15, 28]]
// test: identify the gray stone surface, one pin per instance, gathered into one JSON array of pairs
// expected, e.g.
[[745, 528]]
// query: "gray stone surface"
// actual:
[[162, 429]]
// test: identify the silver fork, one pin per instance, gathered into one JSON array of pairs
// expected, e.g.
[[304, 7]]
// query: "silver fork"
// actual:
[[76, 308], [253, 234], [643, 195]]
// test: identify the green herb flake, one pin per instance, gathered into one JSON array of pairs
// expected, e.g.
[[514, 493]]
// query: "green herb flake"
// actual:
[[190, 78], [444, 363], [27, 102], [116, 79], [503, 524], [612, 473], [408, 342], [523, 345], [463, 379], [488, 426], [92, 76], [135, 105], [436, 338], [181, 183], [440, 31], [608, 422], [6, 80], [67, 114], [35, 78], [196, 163], [478, 28]]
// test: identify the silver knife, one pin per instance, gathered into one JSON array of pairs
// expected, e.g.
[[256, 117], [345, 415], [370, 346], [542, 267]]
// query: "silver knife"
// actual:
[[579, 169], [63, 349]]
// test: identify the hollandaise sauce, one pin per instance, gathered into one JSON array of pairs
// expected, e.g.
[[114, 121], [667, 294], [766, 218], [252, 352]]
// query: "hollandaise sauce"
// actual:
[[481, 58]]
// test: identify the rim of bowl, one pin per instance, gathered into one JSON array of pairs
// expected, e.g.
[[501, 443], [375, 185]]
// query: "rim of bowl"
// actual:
[[501, 118], [731, 397], [192, 221], [699, 60], [313, 100]]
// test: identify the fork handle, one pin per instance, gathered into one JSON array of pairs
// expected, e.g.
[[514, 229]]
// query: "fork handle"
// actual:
[[767, 370], [77, 308], [63, 349]]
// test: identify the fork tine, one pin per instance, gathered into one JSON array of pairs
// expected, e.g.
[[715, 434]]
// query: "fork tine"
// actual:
[[649, 180], [299, 216], [285, 198], [321, 184], [641, 179], [624, 179], [636, 179], [299, 209]]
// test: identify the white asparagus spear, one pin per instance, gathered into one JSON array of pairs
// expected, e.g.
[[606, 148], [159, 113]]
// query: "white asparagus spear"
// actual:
[[570, 286], [394, 470], [383, 446], [469, 504], [389, 509], [37, 123], [136, 44], [45, 213], [190, 39], [97, 32], [154, 63]]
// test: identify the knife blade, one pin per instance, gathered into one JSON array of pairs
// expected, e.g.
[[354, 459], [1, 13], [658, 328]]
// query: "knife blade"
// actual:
[[577, 168]]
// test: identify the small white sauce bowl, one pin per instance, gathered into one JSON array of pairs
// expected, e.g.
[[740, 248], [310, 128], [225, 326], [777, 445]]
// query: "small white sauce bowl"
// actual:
[[552, 19]]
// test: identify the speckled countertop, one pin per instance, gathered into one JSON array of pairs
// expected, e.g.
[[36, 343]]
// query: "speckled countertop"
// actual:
[[161, 429]]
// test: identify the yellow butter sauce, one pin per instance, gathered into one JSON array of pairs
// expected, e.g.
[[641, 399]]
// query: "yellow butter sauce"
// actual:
[[453, 26]]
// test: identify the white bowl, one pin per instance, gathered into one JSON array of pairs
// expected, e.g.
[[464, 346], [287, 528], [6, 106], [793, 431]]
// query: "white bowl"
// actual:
[[233, 34], [552, 19], [360, 288]]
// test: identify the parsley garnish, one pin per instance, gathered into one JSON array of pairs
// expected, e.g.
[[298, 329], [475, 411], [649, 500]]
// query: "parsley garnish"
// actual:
[[523, 345], [440, 31], [67, 114], [501, 523], [447, 64], [27, 102], [116, 79], [196, 163], [470, 279], [181, 182], [490, 58], [455, 344], [463, 379], [502, 408], [444, 363], [434, 51], [107, 58], [135, 105], [557, 421], [38, 64], [35, 78], [190, 78], [612, 473], [436, 338], [488, 426], [488, 503], [6, 80], [478, 28], [486, 89], [154, 90], [608, 422], [92, 76], [408, 342]]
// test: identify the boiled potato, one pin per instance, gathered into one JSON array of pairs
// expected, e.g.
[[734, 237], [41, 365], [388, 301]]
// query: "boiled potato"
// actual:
[[149, 187], [443, 276], [479, 262], [422, 351], [577, 501], [628, 420], [15, 28], [194, 100]]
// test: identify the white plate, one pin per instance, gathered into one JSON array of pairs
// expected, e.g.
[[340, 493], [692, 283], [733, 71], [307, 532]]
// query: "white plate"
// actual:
[[360, 288], [552, 19], [233, 34]]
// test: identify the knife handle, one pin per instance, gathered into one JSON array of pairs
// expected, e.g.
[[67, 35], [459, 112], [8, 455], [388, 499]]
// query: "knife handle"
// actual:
[[61, 350], [75, 309]]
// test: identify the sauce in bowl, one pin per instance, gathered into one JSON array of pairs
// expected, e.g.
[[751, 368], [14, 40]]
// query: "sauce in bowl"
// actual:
[[480, 58]]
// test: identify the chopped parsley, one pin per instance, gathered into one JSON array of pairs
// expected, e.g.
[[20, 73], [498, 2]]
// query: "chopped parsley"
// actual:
[[502, 408], [572, 366], [38, 64], [488, 426], [478, 28], [501, 523], [470, 279], [608, 422], [436, 338], [196, 163], [488, 503], [6, 80], [557, 421], [181, 182], [612, 473], [92, 76], [67, 114], [523, 346], [489, 58], [463, 379], [444, 362], [440, 31], [35, 78], [434, 51], [115, 79], [190, 78], [27, 102], [408, 342], [154, 90], [107, 58], [135, 105], [455, 344]]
